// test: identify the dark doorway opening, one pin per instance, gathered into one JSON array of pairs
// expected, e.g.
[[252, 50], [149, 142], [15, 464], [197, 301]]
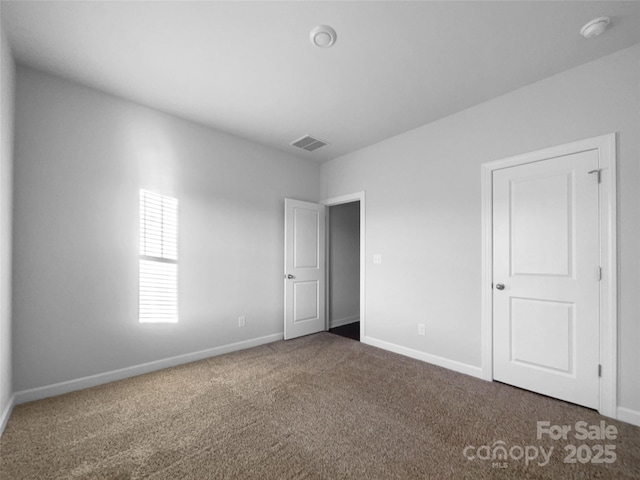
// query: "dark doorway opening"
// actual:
[[343, 257], [351, 330]]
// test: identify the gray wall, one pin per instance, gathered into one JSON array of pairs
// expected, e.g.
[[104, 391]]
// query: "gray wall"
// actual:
[[81, 157], [423, 207], [7, 71], [344, 264]]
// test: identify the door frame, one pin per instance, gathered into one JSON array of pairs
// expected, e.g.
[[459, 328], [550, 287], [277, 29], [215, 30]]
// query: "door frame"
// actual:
[[332, 202], [606, 146]]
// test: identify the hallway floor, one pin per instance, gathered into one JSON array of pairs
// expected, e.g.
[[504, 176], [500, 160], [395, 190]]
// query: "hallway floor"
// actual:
[[351, 330]]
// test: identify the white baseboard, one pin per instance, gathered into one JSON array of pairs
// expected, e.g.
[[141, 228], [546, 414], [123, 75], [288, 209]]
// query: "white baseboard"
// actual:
[[338, 322], [629, 416], [101, 378], [425, 357], [6, 413]]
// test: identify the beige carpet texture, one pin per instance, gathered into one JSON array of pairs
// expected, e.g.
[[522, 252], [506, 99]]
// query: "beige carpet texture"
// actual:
[[318, 407]]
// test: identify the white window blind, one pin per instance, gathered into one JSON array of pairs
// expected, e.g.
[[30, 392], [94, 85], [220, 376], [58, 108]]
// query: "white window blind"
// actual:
[[158, 296]]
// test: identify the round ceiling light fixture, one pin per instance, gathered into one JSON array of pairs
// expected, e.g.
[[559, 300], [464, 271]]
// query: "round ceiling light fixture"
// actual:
[[595, 27], [323, 36]]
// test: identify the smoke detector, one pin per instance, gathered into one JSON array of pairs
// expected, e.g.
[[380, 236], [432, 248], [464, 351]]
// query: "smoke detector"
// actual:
[[323, 36], [308, 143], [595, 27]]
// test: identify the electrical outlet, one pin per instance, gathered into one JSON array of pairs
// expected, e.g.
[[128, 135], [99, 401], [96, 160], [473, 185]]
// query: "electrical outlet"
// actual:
[[377, 258], [242, 321], [421, 329]]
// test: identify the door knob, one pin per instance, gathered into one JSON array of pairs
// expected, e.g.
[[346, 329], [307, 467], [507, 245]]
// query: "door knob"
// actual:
[[500, 286], [289, 276]]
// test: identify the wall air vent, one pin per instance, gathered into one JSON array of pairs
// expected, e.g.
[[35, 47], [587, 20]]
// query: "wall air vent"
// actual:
[[308, 143]]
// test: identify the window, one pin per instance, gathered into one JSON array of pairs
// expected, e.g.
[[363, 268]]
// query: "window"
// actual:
[[158, 295]]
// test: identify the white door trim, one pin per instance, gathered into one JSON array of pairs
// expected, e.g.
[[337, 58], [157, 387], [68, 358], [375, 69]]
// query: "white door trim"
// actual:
[[606, 146], [331, 202]]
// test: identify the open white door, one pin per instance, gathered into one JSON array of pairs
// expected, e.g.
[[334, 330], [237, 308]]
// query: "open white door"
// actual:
[[546, 277], [304, 268]]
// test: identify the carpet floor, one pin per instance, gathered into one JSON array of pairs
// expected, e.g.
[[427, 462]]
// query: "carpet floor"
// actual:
[[318, 407]]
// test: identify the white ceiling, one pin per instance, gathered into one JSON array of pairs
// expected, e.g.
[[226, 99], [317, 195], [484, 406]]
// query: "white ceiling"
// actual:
[[248, 68]]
